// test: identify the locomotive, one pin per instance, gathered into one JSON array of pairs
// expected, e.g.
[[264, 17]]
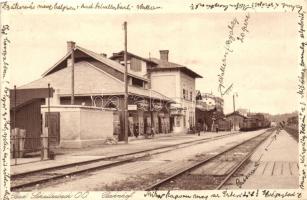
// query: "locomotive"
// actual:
[[254, 122]]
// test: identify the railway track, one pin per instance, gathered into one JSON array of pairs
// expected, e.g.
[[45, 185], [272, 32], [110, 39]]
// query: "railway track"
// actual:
[[30, 179], [212, 171]]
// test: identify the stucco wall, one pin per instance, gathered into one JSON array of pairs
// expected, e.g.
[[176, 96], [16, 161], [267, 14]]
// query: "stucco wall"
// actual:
[[82, 126], [188, 83], [96, 124], [171, 84], [166, 83]]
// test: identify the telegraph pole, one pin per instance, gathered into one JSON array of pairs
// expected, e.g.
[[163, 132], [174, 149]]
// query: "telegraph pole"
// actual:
[[126, 87], [72, 73], [234, 103], [234, 109]]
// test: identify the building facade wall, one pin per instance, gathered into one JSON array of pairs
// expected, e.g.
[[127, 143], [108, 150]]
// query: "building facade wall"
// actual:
[[187, 83], [82, 126], [167, 83], [95, 124], [172, 84], [235, 120]]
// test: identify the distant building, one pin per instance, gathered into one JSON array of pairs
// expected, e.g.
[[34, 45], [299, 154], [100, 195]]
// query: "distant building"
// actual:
[[243, 111], [210, 111], [209, 101], [235, 119]]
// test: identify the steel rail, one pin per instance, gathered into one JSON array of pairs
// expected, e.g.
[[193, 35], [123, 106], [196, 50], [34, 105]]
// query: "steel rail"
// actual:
[[121, 155], [58, 176], [103, 166], [198, 164], [118, 156], [236, 167]]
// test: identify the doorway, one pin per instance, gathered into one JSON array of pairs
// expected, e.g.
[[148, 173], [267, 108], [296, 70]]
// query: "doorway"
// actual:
[[54, 129]]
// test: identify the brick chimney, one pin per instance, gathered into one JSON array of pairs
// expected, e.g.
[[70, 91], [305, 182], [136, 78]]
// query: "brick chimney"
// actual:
[[164, 55], [70, 45]]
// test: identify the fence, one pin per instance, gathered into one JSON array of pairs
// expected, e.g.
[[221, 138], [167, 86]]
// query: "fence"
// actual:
[[20, 150]]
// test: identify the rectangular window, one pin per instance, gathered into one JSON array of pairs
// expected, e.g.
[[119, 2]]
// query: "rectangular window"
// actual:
[[183, 93], [137, 82], [191, 96]]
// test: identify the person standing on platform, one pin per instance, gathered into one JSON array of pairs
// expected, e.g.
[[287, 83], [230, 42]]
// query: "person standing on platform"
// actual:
[[204, 127], [198, 128]]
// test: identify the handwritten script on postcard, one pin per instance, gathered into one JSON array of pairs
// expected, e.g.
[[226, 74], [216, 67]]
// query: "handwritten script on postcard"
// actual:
[[237, 32], [5, 109]]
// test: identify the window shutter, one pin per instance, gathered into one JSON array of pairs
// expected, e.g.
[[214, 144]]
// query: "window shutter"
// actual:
[[135, 65]]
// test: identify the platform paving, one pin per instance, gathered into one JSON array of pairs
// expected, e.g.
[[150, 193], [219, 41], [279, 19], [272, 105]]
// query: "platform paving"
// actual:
[[275, 165], [68, 156]]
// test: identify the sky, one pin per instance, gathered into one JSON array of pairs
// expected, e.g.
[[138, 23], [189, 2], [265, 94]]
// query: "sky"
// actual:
[[263, 69]]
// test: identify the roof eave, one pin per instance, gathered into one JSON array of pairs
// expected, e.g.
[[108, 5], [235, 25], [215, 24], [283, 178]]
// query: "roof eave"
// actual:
[[89, 54], [133, 55], [56, 64], [194, 74]]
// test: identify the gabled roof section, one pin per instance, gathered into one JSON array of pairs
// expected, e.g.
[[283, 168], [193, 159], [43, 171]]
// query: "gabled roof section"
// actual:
[[57, 66], [82, 53], [165, 65], [121, 53], [103, 84]]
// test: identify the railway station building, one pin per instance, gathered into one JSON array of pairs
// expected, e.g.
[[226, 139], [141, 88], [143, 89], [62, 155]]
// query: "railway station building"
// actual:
[[99, 86], [173, 80]]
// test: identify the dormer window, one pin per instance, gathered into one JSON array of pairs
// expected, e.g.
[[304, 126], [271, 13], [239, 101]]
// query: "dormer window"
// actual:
[[135, 65]]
